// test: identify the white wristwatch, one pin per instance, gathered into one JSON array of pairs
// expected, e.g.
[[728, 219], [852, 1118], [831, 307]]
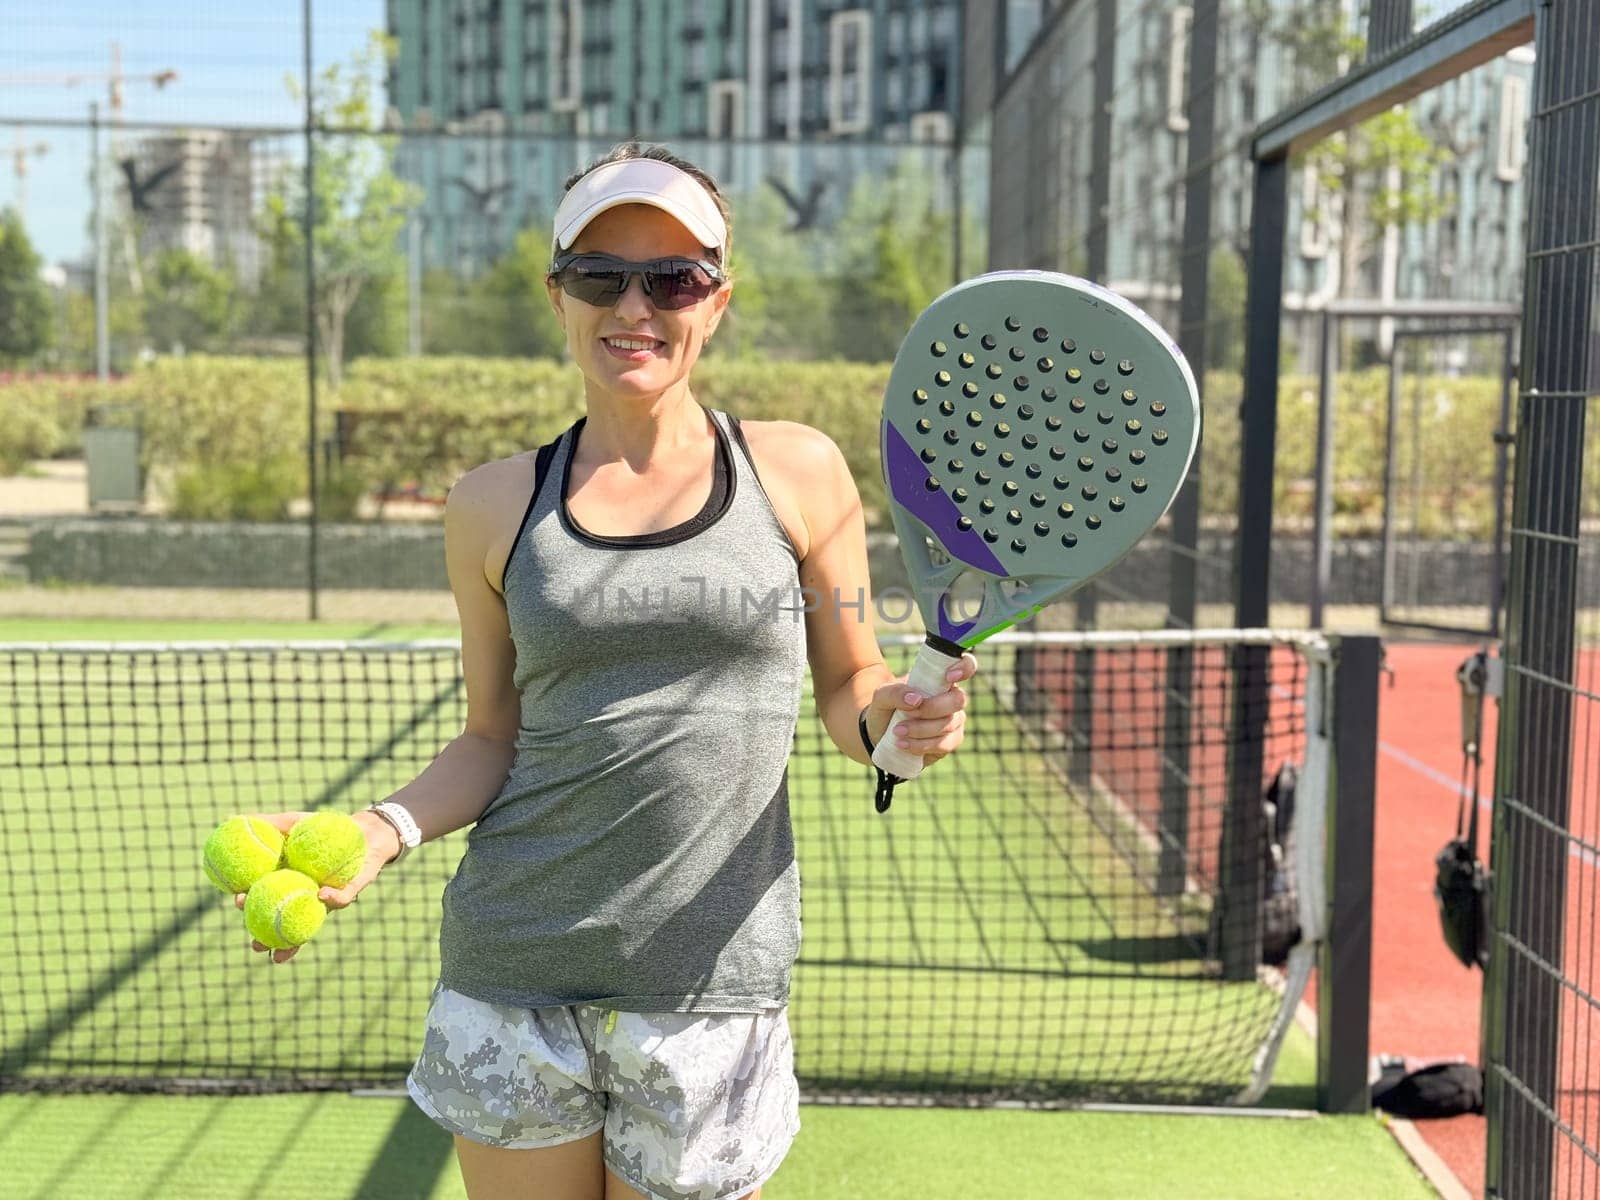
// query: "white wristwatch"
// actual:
[[401, 822]]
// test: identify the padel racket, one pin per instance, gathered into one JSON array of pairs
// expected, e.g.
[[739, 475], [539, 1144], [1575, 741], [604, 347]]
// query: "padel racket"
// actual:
[[1035, 427]]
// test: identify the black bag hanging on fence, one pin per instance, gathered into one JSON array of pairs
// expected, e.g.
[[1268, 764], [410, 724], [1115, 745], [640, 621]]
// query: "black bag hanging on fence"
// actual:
[[1461, 886], [1280, 907], [1279, 898]]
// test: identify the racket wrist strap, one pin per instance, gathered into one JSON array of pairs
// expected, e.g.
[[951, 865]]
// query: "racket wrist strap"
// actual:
[[886, 781]]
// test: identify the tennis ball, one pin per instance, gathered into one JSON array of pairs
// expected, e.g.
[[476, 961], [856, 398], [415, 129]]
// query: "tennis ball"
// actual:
[[240, 851], [329, 847], [282, 909]]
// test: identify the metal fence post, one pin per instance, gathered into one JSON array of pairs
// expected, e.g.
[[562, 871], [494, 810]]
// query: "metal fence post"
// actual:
[[1322, 531], [1241, 840], [1182, 601], [1259, 411], [311, 313], [1344, 967]]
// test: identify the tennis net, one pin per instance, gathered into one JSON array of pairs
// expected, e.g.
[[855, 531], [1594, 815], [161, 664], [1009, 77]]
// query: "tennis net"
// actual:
[[1096, 898]]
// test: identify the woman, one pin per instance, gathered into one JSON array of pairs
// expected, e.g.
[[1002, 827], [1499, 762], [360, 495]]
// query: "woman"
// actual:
[[637, 601]]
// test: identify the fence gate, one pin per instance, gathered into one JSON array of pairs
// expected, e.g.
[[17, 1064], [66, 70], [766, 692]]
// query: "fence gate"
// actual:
[[1446, 453]]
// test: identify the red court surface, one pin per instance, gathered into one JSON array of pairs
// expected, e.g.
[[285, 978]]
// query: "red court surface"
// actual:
[[1424, 1002]]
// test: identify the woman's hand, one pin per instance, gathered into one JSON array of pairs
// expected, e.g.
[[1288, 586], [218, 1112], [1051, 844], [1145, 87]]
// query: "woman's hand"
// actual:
[[382, 846], [934, 725]]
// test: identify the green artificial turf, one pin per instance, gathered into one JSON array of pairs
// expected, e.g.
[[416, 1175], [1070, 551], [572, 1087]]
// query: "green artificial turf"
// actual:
[[335, 1147], [994, 930]]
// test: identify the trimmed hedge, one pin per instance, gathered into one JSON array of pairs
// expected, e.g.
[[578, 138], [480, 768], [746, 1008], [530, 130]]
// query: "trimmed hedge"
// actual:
[[224, 438], [134, 552]]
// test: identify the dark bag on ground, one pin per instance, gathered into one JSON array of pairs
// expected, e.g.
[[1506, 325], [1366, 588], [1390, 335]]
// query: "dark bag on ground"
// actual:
[[1436, 1090]]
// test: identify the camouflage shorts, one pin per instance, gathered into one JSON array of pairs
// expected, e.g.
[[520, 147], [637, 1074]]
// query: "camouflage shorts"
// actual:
[[695, 1106]]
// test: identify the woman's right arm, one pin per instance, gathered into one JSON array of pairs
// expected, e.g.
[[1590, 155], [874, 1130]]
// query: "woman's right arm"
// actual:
[[452, 791]]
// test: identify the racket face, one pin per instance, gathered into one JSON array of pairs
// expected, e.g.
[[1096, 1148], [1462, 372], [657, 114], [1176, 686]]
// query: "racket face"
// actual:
[[1035, 427]]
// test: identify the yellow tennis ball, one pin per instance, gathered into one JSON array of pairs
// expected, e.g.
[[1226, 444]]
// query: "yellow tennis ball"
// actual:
[[329, 847], [282, 909], [240, 851]]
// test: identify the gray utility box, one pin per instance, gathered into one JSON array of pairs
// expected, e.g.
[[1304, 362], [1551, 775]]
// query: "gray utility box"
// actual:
[[111, 437]]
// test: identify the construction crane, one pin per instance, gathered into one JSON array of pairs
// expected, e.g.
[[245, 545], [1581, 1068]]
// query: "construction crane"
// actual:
[[20, 155], [116, 81]]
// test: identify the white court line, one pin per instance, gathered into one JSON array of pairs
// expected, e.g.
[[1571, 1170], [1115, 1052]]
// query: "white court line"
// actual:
[[1485, 802]]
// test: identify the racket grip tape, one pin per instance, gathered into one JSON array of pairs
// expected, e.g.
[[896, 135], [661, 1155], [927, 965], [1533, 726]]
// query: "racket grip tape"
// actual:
[[927, 678]]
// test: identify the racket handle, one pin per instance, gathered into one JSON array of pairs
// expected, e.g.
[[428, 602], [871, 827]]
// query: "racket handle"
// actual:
[[927, 677]]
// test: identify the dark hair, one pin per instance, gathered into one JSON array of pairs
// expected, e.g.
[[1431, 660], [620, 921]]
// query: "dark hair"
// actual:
[[623, 151]]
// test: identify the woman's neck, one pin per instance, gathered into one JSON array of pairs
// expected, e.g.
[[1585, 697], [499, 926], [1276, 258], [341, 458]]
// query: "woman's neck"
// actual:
[[639, 430]]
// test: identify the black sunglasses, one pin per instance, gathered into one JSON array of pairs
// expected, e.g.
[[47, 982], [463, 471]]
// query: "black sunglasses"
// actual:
[[601, 279]]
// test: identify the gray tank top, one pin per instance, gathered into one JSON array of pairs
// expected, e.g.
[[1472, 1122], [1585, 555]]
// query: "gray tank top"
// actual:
[[639, 854]]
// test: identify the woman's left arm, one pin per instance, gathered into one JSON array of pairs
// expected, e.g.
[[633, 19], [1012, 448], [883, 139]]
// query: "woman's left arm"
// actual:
[[817, 499]]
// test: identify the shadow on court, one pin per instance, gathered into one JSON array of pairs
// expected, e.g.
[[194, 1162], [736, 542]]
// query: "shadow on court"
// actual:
[[1135, 951], [413, 1157]]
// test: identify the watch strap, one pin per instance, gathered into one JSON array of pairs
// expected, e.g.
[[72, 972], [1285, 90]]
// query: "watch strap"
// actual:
[[404, 826]]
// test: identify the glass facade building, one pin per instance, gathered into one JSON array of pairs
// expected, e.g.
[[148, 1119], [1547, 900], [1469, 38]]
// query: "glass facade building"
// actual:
[[1031, 95], [749, 88]]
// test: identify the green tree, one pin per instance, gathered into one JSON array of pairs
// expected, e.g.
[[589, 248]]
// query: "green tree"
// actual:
[[274, 311], [75, 342], [1379, 174], [189, 303], [361, 205], [376, 326], [782, 304], [895, 258], [503, 312], [24, 299], [1383, 174], [508, 302], [1225, 321]]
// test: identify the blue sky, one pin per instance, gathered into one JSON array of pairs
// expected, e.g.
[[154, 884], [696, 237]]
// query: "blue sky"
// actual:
[[231, 57]]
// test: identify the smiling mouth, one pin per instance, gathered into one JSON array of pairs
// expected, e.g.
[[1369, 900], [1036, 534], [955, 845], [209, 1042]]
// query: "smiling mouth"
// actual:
[[633, 345]]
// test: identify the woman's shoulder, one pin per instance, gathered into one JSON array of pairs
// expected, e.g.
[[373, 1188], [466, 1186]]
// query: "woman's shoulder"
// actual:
[[805, 476], [484, 494], [497, 474], [789, 444], [485, 508]]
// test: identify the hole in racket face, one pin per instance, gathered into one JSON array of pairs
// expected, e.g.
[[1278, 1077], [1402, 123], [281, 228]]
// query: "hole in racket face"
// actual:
[[964, 598], [1056, 457]]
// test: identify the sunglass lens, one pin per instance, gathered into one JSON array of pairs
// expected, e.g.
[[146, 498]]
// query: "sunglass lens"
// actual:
[[680, 285], [593, 281]]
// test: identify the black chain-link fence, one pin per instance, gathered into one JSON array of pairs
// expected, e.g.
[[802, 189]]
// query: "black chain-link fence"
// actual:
[[1544, 992]]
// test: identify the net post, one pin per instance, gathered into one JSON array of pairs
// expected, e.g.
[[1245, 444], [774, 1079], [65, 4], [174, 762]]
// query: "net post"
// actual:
[[1172, 863], [1344, 966], [1080, 727], [1244, 829]]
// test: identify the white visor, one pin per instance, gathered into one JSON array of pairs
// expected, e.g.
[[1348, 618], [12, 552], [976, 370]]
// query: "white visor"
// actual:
[[640, 181]]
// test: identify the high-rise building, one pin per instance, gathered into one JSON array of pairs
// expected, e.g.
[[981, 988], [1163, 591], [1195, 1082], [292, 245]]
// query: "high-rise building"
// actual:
[[197, 191], [1031, 94], [547, 85]]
